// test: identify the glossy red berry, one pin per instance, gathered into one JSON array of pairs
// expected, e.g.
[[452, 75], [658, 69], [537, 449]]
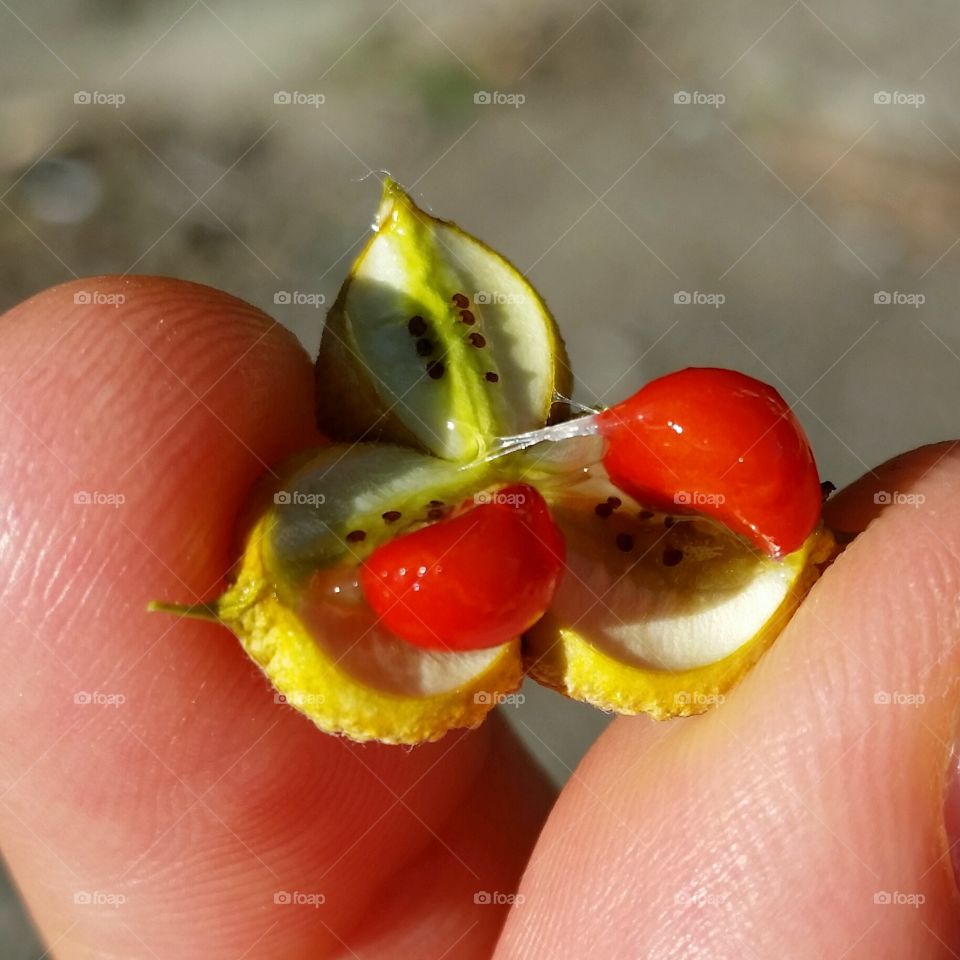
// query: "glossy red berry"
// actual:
[[474, 580], [718, 443]]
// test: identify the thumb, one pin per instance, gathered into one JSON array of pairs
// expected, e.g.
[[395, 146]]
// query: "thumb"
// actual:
[[818, 788]]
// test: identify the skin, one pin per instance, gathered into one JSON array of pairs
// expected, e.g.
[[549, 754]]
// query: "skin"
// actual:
[[763, 828]]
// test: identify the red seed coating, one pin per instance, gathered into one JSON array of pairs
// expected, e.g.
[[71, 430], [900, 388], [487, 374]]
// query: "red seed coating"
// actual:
[[477, 339], [461, 300], [468, 318]]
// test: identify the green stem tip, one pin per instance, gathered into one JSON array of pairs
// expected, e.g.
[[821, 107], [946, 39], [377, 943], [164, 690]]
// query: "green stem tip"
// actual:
[[194, 611]]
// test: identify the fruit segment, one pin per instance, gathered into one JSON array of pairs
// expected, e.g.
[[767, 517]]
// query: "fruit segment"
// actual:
[[658, 613], [473, 581], [718, 443], [435, 341]]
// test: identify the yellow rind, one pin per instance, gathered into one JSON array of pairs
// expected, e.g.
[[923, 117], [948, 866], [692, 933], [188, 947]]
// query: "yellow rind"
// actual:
[[560, 658], [275, 638]]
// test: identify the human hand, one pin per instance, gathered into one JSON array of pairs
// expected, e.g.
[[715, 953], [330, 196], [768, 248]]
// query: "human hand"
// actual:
[[182, 812]]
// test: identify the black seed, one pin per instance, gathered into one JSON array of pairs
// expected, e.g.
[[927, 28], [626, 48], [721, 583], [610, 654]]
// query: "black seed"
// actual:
[[435, 369], [491, 377], [435, 503], [460, 300], [615, 502], [672, 557], [468, 318], [417, 326], [355, 536], [436, 513], [392, 515], [645, 515], [668, 522], [603, 510], [424, 347], [478, 339], [625, 542], [826, 488]]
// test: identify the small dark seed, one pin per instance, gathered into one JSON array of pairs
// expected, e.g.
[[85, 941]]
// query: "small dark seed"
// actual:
[[615, 502], [826, 488], [491, 377], [417, 326], [436, 513], [355, 536], [645, 515], [392, 516], [672, 557], [435, 503], [625, 542], [478, 339], [460, 300], [435, 369], [603, 510], [424, 347], [468, 318], [668, 522]]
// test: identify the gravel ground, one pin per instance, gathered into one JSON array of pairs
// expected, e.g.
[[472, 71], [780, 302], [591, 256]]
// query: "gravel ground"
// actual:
[[769, 187]]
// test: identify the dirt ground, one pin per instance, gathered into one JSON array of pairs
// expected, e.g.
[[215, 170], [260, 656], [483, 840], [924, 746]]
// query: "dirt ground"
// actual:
[[772, 187]]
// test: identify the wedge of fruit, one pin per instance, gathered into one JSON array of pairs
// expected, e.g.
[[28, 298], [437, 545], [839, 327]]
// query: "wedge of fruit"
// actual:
[[298, 609], [436, 341], [658, 613]]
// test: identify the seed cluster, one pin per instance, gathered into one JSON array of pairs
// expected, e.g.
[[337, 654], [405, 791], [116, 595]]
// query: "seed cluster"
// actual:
[[475, 339], [606, 508], [626, 541], [417, 327]]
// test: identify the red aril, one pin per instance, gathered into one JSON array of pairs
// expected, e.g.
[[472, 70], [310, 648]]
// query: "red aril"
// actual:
[[718, 443], [475, 580]]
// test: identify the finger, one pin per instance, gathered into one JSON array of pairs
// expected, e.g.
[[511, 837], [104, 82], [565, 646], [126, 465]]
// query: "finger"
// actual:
[[154, 799], [804, 817]]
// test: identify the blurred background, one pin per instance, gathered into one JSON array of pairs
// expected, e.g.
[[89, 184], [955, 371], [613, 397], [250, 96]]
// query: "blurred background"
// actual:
[[768, 186]]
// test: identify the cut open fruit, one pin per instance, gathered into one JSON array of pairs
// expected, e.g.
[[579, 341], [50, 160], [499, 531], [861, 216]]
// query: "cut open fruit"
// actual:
[[435, 341], [656, 613], [439, 349], [299, 612]]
